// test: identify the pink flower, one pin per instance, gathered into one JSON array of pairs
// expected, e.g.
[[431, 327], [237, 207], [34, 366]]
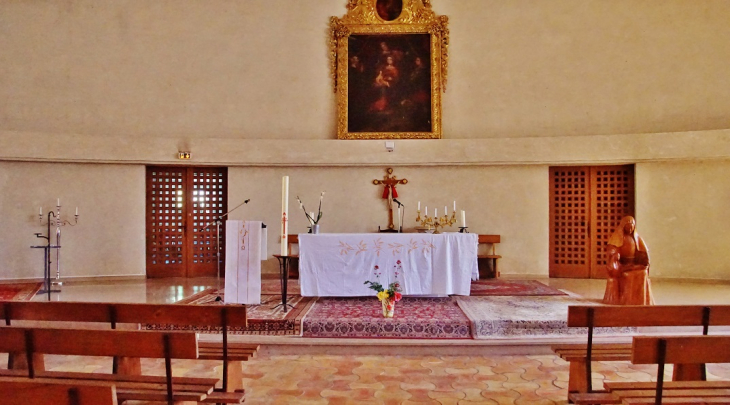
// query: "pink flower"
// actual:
[[397, 296]]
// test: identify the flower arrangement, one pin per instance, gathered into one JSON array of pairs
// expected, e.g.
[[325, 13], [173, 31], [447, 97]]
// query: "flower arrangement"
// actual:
[[310, 215], [388, 297]]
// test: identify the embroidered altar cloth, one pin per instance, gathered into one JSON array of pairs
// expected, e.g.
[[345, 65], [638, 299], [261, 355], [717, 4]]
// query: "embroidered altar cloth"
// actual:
[[337, 265]]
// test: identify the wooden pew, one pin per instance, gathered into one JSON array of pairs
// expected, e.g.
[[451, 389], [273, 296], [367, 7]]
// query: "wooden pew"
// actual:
[[25, 391], [493, 257], [89, 342], [660, 350], [204, 316], [591, 317]]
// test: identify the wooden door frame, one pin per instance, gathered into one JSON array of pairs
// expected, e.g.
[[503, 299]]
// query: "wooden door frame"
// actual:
[[188, 267], [594, 214]]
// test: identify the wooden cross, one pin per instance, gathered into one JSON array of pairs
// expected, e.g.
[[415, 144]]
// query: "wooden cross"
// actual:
[[389, 192]]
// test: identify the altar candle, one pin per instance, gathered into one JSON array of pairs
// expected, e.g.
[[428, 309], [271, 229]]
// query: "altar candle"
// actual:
[[40, 211], [58, 202], [284, 215], [454, 205], [463, 219], [399, 225], [435, 212], [77, 211], [419, 205], [426, 210], [446, 211]]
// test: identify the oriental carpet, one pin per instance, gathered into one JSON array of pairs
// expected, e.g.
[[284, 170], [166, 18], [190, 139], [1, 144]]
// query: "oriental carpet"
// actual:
[[362, 317], [268, 318], [530, 316], [19, 291], [512, 287]]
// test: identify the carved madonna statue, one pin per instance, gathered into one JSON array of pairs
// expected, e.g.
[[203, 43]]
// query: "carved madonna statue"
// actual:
[[628, 267]]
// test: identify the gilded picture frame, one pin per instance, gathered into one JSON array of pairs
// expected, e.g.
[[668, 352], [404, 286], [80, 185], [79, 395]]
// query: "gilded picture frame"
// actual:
[[389, 64]]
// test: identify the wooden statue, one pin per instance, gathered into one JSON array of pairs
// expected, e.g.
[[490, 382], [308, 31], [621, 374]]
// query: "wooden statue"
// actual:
[[628, 267]]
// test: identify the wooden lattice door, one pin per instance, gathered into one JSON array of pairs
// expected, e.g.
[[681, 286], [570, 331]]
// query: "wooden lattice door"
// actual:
[[586, 204], [182, 205]]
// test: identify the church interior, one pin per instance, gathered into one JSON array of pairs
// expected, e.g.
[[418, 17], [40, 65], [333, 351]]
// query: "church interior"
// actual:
[[98, 98]]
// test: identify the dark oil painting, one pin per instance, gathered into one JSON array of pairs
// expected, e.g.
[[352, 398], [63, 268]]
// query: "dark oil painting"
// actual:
[[389, 83]]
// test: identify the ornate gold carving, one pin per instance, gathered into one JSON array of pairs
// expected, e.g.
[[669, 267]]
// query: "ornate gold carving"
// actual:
[[362, 19]]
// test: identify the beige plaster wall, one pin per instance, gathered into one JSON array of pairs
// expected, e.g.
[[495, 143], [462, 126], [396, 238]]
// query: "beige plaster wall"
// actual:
[[510, 201], [682, 214], [109, 237], [259, 69], [681, 211]]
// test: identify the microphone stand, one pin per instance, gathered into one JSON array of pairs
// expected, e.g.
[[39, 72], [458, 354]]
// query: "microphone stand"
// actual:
[[218, 221], [402, 215]]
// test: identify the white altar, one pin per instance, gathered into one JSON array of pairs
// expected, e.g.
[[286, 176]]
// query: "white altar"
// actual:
[[337, 265]]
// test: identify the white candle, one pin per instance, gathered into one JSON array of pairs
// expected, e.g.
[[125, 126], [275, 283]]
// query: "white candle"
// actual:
[[40, 211], [463, 219], [435, 212], [426, 210], [446, 212], [419, 205], [454, 205], [58, 202], [284, 215], [77, 211], [399, 225]]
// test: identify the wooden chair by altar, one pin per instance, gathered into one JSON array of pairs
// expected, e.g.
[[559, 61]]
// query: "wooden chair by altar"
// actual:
[[628, 267]]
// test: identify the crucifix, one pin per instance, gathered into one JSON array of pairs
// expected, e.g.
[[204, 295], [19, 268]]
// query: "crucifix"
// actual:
[[389, 193]]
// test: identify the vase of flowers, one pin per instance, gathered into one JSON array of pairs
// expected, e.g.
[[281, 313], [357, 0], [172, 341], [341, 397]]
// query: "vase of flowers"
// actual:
[[313, 219], [388, 297]]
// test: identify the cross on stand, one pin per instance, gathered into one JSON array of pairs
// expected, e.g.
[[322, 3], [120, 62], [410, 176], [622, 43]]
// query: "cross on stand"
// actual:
[[389, 193]]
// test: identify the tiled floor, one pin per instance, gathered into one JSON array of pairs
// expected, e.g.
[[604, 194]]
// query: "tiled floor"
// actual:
[[406, 374]]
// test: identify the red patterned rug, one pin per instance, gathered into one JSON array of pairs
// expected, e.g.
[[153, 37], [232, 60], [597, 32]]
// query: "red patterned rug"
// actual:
[[273, 286], [263, 319], [362, 317], [19, 291], [512, 287]]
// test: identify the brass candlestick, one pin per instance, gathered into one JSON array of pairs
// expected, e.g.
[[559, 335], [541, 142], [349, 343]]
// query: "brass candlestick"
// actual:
[[436, 223]]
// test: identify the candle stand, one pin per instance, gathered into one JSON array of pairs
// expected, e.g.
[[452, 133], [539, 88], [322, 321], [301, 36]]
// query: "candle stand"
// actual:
[[436, 223], [284, 261], [54, 218]]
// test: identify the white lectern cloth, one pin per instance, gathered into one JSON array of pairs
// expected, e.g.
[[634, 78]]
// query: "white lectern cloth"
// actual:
[[337, 265], [243, 262]]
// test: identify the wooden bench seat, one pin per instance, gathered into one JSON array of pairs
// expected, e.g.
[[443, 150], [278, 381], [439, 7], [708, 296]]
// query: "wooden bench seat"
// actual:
[[660, 350], [25, 391], [85, 342], [221, 317], [631, 316]]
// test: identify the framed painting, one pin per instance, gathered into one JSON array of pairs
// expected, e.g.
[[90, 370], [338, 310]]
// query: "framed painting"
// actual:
[[389, 60]]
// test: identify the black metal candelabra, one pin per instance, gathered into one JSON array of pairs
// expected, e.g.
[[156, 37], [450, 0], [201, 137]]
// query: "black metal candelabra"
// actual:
[[53, 218]]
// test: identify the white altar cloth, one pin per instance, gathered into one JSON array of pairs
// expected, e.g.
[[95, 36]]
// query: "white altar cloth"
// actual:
[[337, 265], [244, 244]]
